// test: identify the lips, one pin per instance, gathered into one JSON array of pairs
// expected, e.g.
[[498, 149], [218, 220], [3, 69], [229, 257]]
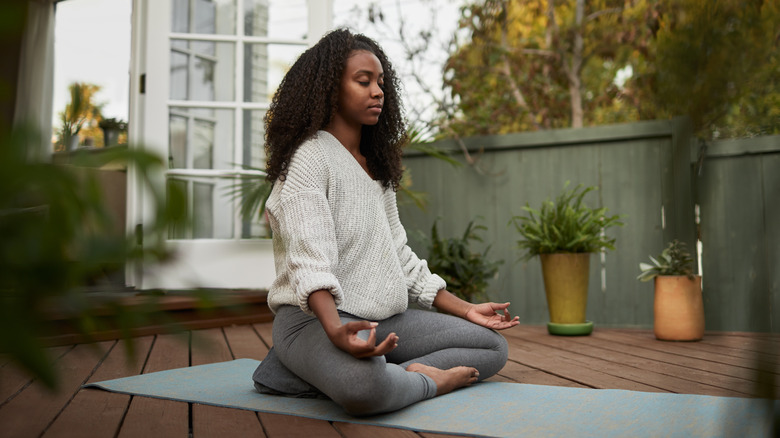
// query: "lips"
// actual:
[[375, 109]]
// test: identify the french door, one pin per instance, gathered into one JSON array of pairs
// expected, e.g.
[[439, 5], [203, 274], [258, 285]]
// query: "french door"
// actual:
[[202, 75]]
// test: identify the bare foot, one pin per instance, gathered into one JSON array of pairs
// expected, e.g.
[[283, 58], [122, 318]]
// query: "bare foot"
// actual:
[[446, 380]]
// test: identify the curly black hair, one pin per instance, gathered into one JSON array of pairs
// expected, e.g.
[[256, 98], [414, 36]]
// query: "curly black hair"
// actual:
[[307, 98]]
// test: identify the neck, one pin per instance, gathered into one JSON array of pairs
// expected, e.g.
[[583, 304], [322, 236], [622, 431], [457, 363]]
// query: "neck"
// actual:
[[347, 135]]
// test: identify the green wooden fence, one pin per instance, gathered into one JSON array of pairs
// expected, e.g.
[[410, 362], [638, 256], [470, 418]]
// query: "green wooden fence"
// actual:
[[643, 171], [738, 189]]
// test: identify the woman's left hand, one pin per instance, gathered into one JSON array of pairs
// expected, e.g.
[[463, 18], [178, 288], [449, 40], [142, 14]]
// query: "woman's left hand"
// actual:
[[487, 315]]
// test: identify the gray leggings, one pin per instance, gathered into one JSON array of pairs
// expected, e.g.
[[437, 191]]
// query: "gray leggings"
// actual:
[[382, 384]]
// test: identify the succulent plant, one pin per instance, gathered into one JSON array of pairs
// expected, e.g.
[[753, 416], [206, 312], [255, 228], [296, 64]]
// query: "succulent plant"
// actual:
[[673, 260]]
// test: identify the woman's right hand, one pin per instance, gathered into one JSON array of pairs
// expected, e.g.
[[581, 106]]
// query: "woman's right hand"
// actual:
[[346, 338]]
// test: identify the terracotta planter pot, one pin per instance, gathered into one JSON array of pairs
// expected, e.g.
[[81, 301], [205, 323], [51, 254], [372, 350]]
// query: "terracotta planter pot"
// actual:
[[678, 308], [566, 287]]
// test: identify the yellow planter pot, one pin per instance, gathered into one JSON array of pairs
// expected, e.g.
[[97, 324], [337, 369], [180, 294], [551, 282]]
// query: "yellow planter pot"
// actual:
[[566, 286], [678, 308]]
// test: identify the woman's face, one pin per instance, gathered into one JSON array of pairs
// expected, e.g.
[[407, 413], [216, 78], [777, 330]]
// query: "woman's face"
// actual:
[[360, 94]]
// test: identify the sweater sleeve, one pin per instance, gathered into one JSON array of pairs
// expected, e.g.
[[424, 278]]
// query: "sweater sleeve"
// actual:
[[306, 228], [420, 282]]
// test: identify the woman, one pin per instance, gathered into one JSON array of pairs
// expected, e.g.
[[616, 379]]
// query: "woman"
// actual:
[[345, 276]]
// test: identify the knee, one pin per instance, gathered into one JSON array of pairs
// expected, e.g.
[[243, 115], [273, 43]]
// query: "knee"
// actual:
[[502, 348], [497, 357], [365, 397]]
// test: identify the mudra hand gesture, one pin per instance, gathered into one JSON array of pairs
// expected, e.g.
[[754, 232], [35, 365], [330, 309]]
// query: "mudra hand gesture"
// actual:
[[487, 315]]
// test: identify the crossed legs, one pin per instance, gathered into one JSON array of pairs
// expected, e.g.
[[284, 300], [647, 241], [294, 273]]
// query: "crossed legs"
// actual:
[[428, 343]]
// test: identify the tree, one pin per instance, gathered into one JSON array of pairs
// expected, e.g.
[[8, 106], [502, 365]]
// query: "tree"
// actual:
[[716, 62], [81, 112], [535, 64]]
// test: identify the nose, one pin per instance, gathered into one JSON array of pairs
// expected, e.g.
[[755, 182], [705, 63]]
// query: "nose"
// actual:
[[376, 91]]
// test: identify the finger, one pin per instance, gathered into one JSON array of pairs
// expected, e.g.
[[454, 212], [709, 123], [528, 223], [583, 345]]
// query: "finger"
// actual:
[[356, 326], [499, 306], [371, 341], [506, 316], [390, 342]]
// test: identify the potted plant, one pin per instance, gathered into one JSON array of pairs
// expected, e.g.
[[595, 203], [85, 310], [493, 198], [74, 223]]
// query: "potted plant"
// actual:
[[78, 113], [563, 233], [678, 309], [466, 272], [111, 129]]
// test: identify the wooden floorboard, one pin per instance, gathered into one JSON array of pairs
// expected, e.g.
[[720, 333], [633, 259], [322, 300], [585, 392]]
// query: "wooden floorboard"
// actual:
[[726, 364], [107, 410], [665, 376]]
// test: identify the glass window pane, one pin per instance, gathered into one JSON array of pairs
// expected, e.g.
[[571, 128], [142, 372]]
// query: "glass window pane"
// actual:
[[203, 144], [204, 16], [178, 228], [203, 211], [201, 138], [264, 67], [209, 212], [202, 70], [177, 131], [180, 18], [276, 18], [179, 75], [254, 156], [254, 139]]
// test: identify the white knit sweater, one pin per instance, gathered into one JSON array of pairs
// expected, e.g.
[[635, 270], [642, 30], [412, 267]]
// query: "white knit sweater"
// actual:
[[335, 228]]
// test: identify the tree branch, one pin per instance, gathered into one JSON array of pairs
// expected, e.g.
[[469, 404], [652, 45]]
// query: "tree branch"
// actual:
[[514, 88], [597, 14]]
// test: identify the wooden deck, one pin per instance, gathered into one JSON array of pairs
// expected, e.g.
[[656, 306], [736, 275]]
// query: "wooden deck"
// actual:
[[723, 364]]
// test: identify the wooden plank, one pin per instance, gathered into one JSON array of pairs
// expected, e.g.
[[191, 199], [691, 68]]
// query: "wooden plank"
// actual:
[[210, 346], [675, 356], [657, 370], [626, 367], [265, 332], [149, 417], [614, 364], [353, 430], [219, 422], [771, 186], [13, 379], [724, 355], [31, 412], [244, 342], [766, 347], [520, 373], [287, 426], [629, 167], [575, 367], [98, 413], [733, 234]]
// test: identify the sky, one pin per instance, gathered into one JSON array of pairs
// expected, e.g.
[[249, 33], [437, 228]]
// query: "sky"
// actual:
[[92, 44]]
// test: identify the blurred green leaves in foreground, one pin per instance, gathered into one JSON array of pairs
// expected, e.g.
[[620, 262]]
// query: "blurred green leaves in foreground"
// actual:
[[57, 235]]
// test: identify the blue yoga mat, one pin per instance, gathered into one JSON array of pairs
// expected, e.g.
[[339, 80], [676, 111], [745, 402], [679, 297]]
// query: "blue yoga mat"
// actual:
[[485, 409]]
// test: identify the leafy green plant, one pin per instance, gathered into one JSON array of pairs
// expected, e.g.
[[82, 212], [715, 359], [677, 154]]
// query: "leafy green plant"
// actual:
[[58, 236], [673, 260], [466, 272], [78, 112], [112, 123], [565, 225]]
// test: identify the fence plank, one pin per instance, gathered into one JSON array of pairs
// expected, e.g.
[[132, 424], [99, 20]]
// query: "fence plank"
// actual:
[[734, 260], [771, 175]]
